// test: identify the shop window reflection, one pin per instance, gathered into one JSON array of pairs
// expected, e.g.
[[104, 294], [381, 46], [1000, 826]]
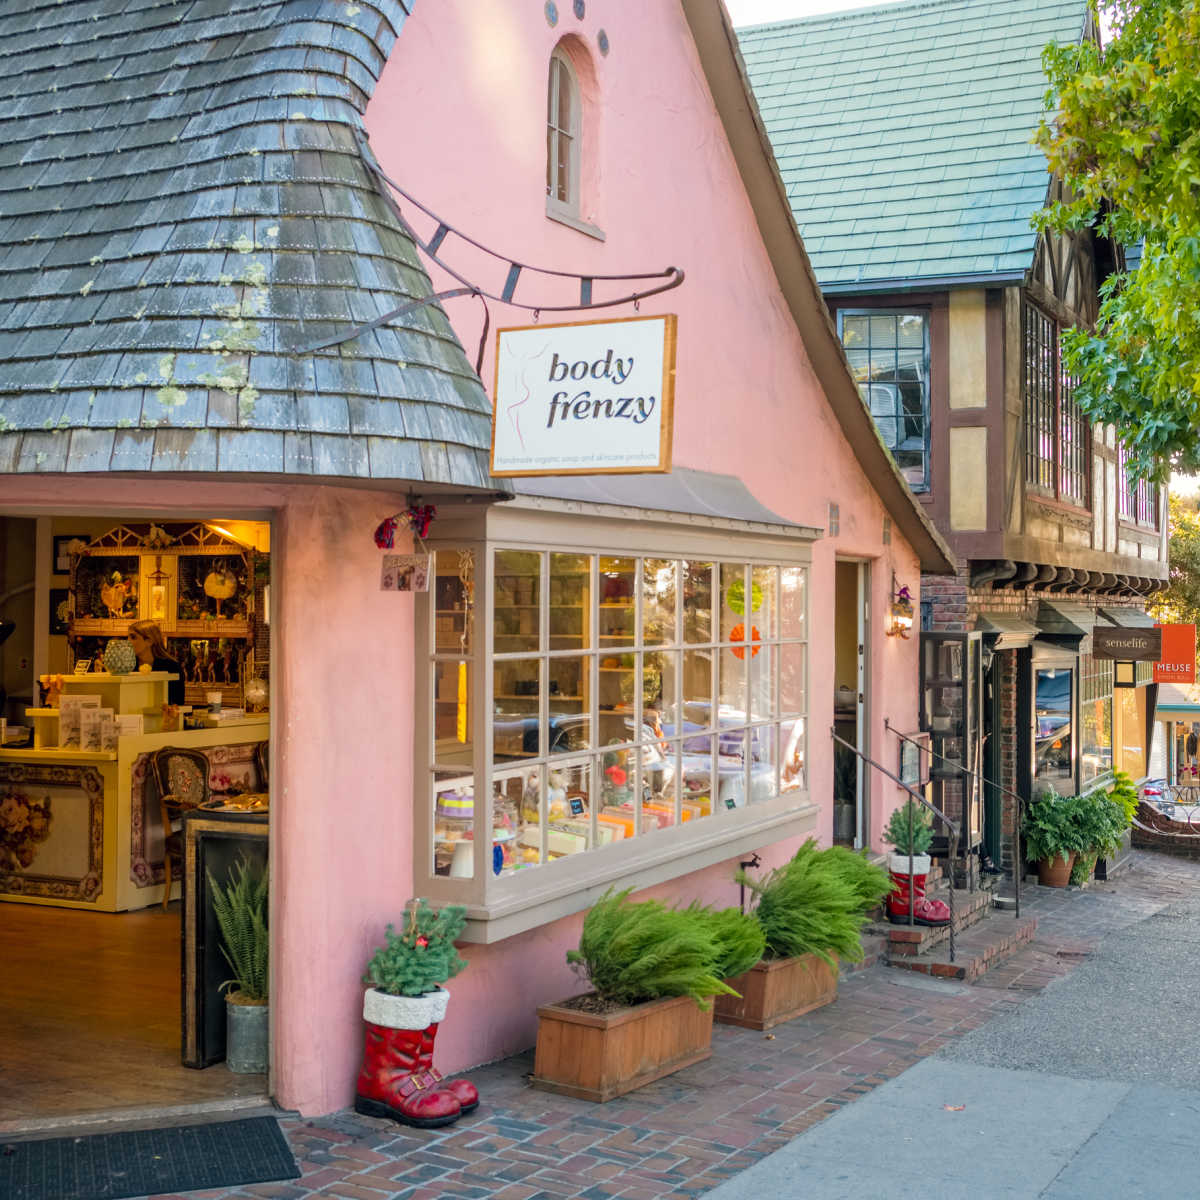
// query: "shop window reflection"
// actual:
[[1054, 764], [602, 726]]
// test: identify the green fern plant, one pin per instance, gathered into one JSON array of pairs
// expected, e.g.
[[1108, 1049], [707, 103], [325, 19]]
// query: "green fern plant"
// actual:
[[240, 905], [423, 956], [816, 904], [633, 952], [1124, 792], [740, 939], [871, 883]]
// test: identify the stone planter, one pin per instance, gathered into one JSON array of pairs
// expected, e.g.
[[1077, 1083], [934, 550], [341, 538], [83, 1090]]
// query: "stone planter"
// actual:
[[247, 1036], [598, 1056], [1054, 872], [777, 990]]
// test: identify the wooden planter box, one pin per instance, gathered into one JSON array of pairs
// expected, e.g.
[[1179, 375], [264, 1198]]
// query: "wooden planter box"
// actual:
[[594, 1056], [777, 990]]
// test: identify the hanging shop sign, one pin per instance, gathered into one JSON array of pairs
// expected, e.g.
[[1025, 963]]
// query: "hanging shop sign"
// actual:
[[1177, 663], [591, 398], [1129, 645]]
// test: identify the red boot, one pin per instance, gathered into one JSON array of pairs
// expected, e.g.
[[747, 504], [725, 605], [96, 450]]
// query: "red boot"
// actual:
[[393, 1082], [924, 912], [463, 1091], [928, 912]]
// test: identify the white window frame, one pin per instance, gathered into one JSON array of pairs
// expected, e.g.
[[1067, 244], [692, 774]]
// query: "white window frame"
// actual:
[[567, 211], [499, 906]]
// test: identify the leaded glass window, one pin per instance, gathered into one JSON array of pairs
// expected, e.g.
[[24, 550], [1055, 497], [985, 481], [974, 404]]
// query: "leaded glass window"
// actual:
[[888, 353]]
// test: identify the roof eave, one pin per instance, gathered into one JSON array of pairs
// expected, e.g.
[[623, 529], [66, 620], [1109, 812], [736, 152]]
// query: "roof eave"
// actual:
[[928, 283], [729, 85]]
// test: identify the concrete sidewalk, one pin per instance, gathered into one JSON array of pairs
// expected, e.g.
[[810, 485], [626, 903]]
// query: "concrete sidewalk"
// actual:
[[707, 1127], [949, 1129]]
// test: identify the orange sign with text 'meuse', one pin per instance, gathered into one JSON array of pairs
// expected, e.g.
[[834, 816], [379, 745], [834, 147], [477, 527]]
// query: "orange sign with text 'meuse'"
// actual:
[[1178, 663]]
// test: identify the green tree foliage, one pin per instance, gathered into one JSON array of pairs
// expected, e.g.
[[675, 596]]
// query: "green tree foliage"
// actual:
[[1179, 604], [240, 905], [1123, 131], [416, 961], [633, 952], [817, 903]]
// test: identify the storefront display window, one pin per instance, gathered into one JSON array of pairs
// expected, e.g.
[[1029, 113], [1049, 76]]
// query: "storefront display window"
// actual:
[[1096, 719], [1129, 730], [626, 696], [1053, 707]]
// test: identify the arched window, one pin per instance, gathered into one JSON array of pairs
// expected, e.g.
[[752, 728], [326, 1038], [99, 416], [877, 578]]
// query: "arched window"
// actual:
[[562, 138]]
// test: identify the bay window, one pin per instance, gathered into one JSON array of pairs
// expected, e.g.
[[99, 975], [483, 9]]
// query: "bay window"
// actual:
[[602, 714]]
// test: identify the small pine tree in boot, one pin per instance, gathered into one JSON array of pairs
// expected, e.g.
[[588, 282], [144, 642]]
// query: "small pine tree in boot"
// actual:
[[402, 1010]]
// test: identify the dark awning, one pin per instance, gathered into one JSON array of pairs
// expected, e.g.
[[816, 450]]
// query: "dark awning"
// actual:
[[1128, 618], [1002, 631], [1063, 625]]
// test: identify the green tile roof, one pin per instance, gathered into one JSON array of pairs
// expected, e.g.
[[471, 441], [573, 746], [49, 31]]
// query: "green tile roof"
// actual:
[[903, 133]]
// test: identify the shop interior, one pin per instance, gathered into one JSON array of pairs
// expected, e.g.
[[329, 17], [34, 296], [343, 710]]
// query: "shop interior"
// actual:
[[118, 775]]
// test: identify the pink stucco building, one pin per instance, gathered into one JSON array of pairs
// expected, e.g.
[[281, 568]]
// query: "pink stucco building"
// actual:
[[389, 712]]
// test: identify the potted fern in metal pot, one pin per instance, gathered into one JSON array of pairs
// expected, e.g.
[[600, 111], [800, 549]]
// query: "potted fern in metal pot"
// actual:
[[811, 911], [240, 905], [653, 971]]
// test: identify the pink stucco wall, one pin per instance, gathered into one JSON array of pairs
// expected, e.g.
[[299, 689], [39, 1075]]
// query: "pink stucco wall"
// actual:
[[458, 120]]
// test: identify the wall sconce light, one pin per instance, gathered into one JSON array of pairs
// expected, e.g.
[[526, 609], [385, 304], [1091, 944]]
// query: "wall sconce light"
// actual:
[[900, 612], [1124, 674]]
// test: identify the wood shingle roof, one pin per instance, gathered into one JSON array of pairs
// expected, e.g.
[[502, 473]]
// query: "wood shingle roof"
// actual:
[[184, 207]]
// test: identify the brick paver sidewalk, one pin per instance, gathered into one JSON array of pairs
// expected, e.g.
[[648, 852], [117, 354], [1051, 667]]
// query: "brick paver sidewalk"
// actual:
[[693, 1130]]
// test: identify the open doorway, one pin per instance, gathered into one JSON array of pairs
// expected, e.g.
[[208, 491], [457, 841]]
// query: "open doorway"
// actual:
[[134, 684], [849, 703]]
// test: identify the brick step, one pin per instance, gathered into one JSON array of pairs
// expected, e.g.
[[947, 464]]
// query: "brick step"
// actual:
[[969, 908], [977, 949], [874, 946]]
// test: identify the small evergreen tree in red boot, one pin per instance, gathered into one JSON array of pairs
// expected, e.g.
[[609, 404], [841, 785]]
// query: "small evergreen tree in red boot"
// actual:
[[402, 1009], [910, 830]]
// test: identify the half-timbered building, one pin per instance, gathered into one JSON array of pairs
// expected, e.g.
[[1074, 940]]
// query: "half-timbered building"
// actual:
[[904, 138]]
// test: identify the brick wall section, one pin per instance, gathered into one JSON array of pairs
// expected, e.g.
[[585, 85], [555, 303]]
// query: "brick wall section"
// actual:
[[1177, 838]]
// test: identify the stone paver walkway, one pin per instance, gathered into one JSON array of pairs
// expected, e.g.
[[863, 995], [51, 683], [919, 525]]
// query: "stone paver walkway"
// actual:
[[692, 1131]]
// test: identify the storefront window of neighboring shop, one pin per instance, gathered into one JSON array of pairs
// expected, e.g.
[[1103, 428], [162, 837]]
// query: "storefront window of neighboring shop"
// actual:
[[1096, 710], [1053, 706], [630, 699], [1130, 731]]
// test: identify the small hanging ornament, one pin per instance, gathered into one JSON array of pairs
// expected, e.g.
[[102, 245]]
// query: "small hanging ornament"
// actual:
[[416, 517]]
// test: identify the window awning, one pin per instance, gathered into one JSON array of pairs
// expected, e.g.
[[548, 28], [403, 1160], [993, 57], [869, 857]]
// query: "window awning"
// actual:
[[1176, 702], [1128, 618], [1065, 625], [1004, 631], [704, 495]]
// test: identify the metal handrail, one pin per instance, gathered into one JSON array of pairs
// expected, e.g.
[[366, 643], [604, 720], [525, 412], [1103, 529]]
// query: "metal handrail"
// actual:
[[1022, 803], [951, 826]]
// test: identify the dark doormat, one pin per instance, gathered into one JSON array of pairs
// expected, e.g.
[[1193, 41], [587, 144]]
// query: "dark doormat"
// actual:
[[146, 1162]]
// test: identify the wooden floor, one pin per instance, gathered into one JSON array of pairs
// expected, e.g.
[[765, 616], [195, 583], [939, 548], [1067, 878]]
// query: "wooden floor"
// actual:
[[89, 1016]]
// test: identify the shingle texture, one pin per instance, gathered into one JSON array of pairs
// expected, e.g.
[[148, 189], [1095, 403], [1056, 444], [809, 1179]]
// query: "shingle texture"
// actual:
[[903, 133], [183, 207]]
